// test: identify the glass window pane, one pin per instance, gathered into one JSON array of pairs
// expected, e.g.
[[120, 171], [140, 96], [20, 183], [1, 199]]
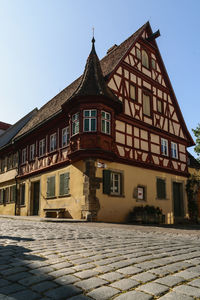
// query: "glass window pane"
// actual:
[[86, 113], [86, 125], [93, 124], [93, 113], [103, 128], [103, 114]]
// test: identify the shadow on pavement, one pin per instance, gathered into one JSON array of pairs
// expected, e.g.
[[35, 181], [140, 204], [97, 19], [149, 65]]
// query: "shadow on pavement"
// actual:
[[27, 276]]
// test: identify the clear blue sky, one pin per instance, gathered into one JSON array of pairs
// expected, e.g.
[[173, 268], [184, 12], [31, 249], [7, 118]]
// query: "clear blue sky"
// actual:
[[44, 45]]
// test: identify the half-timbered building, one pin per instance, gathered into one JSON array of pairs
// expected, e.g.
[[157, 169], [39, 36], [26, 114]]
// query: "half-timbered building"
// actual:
[[112, 140]]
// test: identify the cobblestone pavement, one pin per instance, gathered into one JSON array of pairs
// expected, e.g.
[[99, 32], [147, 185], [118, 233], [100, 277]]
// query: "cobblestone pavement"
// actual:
[[45, 260]]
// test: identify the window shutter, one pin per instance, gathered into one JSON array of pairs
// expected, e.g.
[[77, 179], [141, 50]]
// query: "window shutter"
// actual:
[[48, 187], [52, 186], [106, 181], [121, 184], [66, 183], [14, 194], [161, 192], [62, 184]]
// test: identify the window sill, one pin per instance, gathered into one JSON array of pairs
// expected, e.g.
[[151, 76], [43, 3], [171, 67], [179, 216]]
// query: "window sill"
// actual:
[[162, 199], [51, 197], [117, 195], [22, 205], [63, 196]]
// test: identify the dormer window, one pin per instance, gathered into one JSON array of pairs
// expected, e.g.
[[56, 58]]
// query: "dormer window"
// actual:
[[75, 124], [89, 120], [145, 59]]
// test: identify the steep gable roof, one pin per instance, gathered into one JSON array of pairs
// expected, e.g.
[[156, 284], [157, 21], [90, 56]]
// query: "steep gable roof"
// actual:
[[53, 107], [7, 137]]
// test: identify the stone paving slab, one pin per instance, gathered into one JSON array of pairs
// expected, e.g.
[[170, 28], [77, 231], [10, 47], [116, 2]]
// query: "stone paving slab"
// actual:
[[82, 261]]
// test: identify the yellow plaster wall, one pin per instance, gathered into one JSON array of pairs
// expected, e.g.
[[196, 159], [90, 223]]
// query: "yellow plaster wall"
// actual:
[[9, 208], [71, 203], [116, 209]]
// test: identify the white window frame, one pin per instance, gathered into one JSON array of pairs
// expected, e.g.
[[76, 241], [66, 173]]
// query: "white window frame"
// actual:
[[23, 156], [75, 123], [107, 120], [65, 136], [53, 142], [42, 147], [90, 118], [115, 186], [32, 152], [174, 150], [164, 147]]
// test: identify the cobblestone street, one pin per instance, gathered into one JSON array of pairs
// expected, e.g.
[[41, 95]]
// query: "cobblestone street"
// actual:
[[47, 260]]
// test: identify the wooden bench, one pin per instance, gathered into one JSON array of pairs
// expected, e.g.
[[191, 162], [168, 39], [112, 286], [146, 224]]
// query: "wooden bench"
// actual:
[[51, 211]]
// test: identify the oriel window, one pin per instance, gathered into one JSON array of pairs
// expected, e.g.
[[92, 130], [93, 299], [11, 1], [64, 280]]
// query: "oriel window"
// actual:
[[105, 122], [89, 120]]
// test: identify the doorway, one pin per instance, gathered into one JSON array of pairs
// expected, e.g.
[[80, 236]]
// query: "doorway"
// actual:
[[178, 200], [35, 198]]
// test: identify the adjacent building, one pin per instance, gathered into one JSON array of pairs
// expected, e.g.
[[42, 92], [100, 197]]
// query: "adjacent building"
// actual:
[[112, 140]]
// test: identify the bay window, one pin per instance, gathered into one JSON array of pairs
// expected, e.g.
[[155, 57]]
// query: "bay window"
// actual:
[[89, 120], [75, 124], [105, 122]]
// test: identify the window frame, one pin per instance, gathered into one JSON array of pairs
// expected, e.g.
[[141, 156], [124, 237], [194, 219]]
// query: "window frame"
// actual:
[[160, 101], [90, 118], [164, 147], [24, 155], [75, 123], [107, 122], [134, 86], [144, 94], [108, 183], [174, 150], [65, 142], [144, 61], [32, 152], [42, 145], [53, 142]]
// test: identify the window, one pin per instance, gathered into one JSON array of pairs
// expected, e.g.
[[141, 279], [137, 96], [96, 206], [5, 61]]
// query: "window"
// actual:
[[24, 156], [65, 136], [164, 147], [145, 59], [132, 92], [159, 106], [53, 142], [105, 122], [15, 160], [12, 193], [146, 105], [89, 120], [174, 151], [153, 63], [3, 164], [64, 184], [51, 187], [161, 188], [138, 54], [42, 149], [112, 182], [22, 194], [10, 162], [75, 124], [32, 152]]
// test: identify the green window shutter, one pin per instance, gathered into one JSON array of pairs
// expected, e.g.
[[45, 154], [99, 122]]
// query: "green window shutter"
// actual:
[[161, 189], [64, 184], [121, 183], [51, 186], [106, 181], [14, 193]]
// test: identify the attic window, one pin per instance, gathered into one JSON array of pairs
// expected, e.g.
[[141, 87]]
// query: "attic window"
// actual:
[[145, 59]]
